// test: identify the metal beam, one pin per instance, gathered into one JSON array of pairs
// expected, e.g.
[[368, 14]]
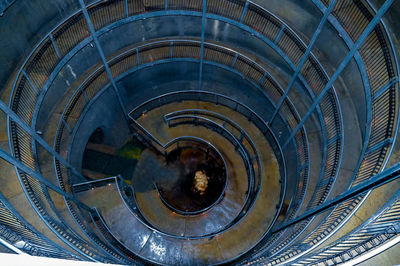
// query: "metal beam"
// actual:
[[6, 156], [55, 45], [304, 58], [370, 27], [203, 26], [376, 181], [103, 58]]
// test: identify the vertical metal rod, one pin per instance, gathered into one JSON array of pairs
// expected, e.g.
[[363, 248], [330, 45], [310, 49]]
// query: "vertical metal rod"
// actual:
[[235, 59], [55, 45], [379, 145], [166, 4], [333, 139], [303, 59], [203, 25], [279, 33], [30, 82], [103, 58], [35, 136], [126, 8], [244, 11], [84, 95], [385, 88], [67, 126], [370, 27], [7, 157], [263, 77], [172, 50]]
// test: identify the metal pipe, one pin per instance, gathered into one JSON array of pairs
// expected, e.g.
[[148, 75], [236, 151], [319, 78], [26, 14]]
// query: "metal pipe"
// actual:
[[203, 25]]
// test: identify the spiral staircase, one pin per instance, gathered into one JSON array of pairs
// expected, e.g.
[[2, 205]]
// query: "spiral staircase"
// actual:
[[290, 108]]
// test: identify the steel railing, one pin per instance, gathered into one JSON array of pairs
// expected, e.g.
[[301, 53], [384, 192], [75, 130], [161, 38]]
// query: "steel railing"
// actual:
[[61, 41]]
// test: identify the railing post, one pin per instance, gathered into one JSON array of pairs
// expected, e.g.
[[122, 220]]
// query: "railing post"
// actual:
[[55, 45], [203, 25], [244, 11], [30, 82], [278, 36]]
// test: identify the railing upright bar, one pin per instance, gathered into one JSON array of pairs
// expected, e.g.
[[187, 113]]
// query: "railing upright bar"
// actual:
[[30, 82], [203, 26], [55, 45], [244, 11]]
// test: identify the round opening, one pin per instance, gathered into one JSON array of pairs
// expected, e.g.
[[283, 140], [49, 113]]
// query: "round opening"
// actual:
[[201, 181]]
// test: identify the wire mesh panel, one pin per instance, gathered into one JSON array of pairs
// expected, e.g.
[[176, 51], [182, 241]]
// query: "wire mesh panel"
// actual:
[[107, 12], [351, 14], [249, 69], [274, 92], [182, 50], [261, 21], [228, 8], [123, 63], [216, 54], [24, 100], [154, 53], [291, 46], [194, 5], [313, 75], [69, 34]]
